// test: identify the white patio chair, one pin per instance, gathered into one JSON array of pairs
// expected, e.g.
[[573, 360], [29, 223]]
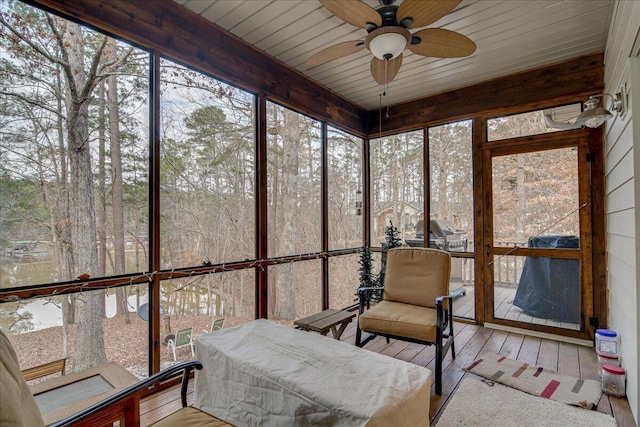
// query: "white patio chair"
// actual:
[[181, 339], [216, 325]]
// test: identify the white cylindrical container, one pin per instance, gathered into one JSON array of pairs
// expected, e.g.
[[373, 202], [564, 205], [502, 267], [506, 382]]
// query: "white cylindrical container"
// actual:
[[607, 342], [613, 380], [606, 359]]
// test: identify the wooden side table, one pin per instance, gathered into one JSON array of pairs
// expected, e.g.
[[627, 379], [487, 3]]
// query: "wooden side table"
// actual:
[[326, 321], [66, 395]]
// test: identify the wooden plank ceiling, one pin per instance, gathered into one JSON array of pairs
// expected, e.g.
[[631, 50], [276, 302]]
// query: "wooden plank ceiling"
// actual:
[[511, 35]]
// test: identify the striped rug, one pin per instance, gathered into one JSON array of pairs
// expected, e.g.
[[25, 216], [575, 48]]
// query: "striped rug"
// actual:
[[537, 381], [476, 404]]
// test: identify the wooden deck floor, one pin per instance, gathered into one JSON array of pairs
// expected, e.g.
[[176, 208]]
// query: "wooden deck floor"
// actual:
[[471, 342], [504, 308]]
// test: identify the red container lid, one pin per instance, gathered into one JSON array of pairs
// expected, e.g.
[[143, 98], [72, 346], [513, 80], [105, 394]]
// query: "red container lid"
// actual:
[[612, 369], [607, 356]]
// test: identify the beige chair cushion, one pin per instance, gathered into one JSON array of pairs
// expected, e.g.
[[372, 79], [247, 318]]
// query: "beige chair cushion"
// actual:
[[18, 408], [404, 320], [190, 417], [416, 276]]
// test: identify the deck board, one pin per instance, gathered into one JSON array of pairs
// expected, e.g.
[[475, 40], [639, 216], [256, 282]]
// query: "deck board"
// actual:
[[464, 307], [471, 341]]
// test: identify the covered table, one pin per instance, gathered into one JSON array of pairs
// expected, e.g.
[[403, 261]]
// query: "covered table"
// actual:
[[549, 288], [266, 374]]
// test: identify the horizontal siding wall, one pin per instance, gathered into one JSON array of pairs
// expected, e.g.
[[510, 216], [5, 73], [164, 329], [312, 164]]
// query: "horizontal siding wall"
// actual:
[[623, 188]]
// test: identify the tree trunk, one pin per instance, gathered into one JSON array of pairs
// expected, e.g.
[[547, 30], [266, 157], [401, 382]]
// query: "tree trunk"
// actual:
[[61, 220], [101, 214], [443, 197], [395, 182], [89, 340], [117, 202], [289, 211]]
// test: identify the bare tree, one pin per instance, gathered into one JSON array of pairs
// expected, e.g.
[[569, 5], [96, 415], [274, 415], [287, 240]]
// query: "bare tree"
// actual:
[[288, 213], [89, 343], [65, 165], [117, 201]]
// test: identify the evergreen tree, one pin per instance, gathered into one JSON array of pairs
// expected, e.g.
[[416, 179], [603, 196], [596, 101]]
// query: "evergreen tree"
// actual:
[[392, 241], [367, 277]]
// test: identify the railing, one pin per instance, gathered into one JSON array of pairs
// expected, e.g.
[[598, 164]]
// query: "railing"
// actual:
[[506, 269]]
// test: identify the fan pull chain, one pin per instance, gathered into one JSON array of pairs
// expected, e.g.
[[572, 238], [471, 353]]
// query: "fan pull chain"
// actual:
[[386, 84], [380, 114]]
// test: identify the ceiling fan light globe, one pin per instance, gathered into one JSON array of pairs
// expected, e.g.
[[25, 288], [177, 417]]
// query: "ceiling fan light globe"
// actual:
[[388, 44]]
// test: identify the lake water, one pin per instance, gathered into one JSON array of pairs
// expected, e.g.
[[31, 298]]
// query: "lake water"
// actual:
[[39, 268], [46, 314]]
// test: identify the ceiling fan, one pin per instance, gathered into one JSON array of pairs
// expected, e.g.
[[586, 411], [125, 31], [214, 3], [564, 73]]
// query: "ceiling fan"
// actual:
[[388, 33]]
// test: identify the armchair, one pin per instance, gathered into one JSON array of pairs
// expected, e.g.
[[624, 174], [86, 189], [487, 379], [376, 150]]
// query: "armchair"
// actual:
[[415, 305]]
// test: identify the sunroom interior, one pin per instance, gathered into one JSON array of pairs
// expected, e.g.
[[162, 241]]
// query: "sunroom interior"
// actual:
[[226, 178]]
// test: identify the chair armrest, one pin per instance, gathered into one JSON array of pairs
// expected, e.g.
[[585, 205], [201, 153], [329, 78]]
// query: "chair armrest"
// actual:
[[442, 298], [444, 302], [168, 373]]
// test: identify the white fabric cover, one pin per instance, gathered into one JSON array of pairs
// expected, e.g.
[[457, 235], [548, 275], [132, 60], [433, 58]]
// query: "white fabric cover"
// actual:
[[18, 407], [265, 374]]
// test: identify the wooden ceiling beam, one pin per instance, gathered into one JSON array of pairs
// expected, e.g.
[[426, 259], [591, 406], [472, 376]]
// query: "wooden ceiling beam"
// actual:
[[535, 89]]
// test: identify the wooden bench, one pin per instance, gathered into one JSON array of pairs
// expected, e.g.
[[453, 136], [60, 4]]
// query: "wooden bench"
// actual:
[[57, 366], [326, 321]]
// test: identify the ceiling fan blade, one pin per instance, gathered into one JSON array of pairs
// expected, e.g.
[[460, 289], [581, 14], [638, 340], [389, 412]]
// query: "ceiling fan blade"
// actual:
[[384, 72], [336, 51], [424, 12], [353, 12], [440, 43]]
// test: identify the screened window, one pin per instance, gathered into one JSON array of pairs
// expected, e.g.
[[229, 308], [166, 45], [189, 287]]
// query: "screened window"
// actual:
[[451, 167], [535, 194], [73, 170], [344, 153], [207, 169], [397, 184], [74, 163], [294, 179], [295, 290], [533, 122]]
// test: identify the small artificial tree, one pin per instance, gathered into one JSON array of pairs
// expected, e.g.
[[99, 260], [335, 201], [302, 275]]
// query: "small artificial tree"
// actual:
[[367, 277], [392, 241]]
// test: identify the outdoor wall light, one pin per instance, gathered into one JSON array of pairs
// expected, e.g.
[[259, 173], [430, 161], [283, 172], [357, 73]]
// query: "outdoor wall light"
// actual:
[[594, 115]]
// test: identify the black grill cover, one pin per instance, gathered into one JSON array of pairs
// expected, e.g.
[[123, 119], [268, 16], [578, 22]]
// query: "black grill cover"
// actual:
[[549, 288]]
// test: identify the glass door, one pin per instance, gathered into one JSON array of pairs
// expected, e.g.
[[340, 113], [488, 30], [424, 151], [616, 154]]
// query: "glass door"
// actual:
[[538, 234]]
